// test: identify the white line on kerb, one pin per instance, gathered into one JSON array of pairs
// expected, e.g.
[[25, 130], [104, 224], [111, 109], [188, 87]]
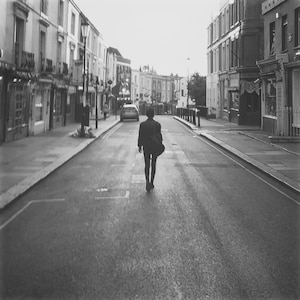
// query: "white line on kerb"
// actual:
[[246, 169], [255, 175], [27, 205]]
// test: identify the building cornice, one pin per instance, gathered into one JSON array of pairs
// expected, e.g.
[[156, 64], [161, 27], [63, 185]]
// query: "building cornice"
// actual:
[[268, 5]]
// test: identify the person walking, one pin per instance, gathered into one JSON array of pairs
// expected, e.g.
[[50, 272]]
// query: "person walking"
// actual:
[[105, 110], [147, 130]]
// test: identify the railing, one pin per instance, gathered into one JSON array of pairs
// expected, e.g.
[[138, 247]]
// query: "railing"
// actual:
[[46, 65], [189, 114], [27, 61], [24, 60], [63, 68]]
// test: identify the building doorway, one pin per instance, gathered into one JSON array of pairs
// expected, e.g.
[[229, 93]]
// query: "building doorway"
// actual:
[[250, 110]]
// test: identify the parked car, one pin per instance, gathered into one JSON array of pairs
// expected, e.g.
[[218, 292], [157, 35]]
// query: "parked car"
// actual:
[[129, 111]]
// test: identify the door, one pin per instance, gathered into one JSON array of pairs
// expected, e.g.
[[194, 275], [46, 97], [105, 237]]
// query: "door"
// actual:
[[250, 109]]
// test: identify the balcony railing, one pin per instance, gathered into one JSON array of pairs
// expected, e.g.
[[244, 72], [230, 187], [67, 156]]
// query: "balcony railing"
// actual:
[[63, 68], [24, 60], [46, 65]]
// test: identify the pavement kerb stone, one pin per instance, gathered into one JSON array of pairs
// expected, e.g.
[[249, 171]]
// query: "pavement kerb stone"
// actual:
[[19, 189], [188, 124], [266, 169]]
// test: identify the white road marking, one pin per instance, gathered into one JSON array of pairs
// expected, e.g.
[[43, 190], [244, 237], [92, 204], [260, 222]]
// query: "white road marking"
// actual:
[[137, 178], [255, 175], [27, 205], [252, 173], [110, 132], [114, 197]]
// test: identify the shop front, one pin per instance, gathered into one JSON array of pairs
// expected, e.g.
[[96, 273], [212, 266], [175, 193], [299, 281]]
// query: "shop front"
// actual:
[[17, 105], [5, 76], [240, 98], [58, 105], [273, 95], [223, 86], [18, 109], [294, 98], [250, 112], [233, 96], [41, 99]]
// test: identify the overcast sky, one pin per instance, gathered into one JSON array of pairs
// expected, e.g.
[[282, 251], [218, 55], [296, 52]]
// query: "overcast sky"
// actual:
[[159, 33]]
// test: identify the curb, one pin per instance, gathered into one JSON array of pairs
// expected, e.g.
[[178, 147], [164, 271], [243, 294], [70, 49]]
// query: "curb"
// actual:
[[16, 191], [290, 183], [188, 124]]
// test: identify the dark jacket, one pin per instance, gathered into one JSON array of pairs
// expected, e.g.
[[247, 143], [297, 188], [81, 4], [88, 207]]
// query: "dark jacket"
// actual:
[[147, 129]]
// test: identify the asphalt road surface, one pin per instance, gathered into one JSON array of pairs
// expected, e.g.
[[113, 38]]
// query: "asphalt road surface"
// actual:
[[210, 229]]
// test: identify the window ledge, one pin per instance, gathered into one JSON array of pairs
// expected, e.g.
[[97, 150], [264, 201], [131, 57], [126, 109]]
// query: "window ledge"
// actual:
[[270, 117]]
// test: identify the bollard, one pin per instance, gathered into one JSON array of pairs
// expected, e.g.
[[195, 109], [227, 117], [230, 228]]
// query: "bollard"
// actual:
[[198, 115]]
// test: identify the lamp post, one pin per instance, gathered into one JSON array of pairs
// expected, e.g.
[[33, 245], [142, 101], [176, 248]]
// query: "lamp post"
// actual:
[[188, 90], [96, 86], [84, 30]]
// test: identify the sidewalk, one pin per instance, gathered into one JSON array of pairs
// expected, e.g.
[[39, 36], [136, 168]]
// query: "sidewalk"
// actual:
[[280, 161], [25, 162]]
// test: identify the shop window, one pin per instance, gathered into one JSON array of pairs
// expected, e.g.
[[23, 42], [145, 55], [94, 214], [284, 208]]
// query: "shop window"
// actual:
[[58, 104], [270, 103], [284, 29], [235, 100], [39, 107], [296, 98], [69, 99], [297, 27], [225, 104], [19, 106]]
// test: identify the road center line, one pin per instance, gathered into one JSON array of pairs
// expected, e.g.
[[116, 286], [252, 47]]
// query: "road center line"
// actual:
[[26, 206]]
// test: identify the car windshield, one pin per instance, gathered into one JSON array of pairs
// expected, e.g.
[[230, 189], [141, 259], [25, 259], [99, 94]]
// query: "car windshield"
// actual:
[[129, 109]]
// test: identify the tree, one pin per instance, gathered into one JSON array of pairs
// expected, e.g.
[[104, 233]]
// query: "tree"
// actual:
[[197, 89]]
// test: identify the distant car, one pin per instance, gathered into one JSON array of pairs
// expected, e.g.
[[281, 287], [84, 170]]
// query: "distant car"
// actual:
[[129, 111]]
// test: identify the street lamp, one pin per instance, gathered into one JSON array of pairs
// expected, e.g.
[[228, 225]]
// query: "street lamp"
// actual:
[[96, 86], [84, 31], [188, 90]]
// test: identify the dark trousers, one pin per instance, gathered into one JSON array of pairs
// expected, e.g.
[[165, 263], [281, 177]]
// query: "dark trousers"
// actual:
[[150, 159]]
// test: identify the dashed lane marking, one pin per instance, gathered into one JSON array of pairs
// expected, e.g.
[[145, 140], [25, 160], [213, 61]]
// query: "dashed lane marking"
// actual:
[[26, 206]]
